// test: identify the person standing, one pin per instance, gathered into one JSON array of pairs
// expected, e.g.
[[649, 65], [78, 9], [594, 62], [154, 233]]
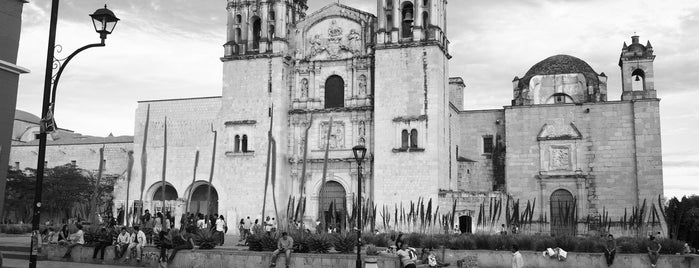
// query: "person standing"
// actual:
[[284, 245], [138, 241], [78, 240], [248, 227], [610, 250], [517, 261], [122, 243], [407, 256], [268, 225], [653, 251], [148, 224], [221, 229]]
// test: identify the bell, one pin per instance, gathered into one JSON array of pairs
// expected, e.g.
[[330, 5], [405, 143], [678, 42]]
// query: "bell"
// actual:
[[408, 17], [638, 78]]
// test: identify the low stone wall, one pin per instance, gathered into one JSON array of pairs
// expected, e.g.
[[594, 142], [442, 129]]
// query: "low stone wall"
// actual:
[[217, 258], [467, 258], [503, 259]]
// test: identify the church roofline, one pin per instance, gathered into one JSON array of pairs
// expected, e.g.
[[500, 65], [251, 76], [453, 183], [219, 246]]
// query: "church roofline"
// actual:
[[180, 99]]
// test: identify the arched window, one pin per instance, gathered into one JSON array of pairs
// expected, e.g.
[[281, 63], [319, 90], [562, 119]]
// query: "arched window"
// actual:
[[334, 92], [237, 144], [256, 31], [389, 22], [237, 35], [405, 139], [561, 98], [408, 15], [389, 3], [238, 19], [272, 15], [426, 2], [413, 138], [638, 80], [425, 19], [245, 144], [272, 33]]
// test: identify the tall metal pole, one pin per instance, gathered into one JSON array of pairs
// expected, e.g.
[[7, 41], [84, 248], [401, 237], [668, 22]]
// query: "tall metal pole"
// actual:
[[36, 218], [359, 214]]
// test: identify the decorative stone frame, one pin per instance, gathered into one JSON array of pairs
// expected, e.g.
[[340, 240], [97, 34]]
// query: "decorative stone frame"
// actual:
[[559, 150]]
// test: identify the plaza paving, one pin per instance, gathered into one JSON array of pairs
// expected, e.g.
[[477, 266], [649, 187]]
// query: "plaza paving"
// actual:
[[14, 263]]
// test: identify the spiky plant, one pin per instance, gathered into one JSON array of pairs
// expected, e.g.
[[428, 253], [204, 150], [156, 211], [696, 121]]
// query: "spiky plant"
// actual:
[[345, 242]]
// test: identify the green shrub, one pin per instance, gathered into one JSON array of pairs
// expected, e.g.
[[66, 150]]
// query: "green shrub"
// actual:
[[371, 250], [541, 243], [261, 242], [414, 239], [16, 228], [589, 245], [431, 242], [627, 245], [671, 246], [206, 239], [320, 243], [463, 242], [482, 241], [300, 241], [567, 243], [345, 243]]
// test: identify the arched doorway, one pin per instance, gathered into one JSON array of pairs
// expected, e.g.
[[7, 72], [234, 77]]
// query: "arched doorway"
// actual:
[[157, 199], [563, 221], [332, 204], [465, 224], [198, 202], [334, 92]]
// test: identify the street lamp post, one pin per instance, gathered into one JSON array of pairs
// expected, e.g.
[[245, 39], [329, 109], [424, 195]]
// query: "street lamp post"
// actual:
[[359, 153], [104, 22]]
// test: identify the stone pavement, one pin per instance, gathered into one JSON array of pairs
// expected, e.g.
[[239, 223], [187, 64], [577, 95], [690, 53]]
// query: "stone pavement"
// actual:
[[14, 263]]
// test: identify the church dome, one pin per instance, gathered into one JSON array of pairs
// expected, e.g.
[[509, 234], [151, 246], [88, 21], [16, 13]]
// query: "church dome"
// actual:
[[562, 64]]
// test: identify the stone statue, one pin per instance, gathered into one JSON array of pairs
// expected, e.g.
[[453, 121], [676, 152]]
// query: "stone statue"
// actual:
[[304, 88], [316, 45], [355, 41], [362, 85]]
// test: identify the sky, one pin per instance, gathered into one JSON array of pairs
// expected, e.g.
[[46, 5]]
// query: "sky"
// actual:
[[164, 49]]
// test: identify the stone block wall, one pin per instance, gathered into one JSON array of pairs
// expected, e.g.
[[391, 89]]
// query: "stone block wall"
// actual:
[[613, 135], [411, 93], [476, 165], [86, 156]]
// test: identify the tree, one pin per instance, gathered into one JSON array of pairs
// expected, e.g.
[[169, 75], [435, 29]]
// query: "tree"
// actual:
[[67, 192], [682, 218]]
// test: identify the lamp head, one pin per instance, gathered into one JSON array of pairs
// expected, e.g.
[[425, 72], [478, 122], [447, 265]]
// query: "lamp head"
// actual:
[[359, 153], [104, 21]]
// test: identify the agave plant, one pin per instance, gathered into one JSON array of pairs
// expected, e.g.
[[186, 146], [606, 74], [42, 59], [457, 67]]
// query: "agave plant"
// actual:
[[206, 239], [345, 242]]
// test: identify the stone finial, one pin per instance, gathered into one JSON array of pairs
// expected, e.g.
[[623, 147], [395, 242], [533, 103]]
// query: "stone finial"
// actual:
[[634, 39], [648, 44], [625, 46]]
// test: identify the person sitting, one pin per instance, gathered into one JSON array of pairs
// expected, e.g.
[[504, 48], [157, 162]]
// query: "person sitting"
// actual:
[[78, 239], [430, 259], [610, 250], [52, 237], [165, 243], [103, 240], [138, 241], [407, 256], [183, 241], [122, 243], [653, 251], [63, 235], [284, 245]]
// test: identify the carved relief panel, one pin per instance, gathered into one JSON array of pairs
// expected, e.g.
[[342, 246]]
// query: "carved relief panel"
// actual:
[[333, 39], [337, 135]]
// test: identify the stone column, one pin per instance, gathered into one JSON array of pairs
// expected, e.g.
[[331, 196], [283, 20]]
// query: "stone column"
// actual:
[[417, 24]]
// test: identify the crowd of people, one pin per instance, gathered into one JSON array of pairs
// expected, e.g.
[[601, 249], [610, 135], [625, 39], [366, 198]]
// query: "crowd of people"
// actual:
[[152, 230]]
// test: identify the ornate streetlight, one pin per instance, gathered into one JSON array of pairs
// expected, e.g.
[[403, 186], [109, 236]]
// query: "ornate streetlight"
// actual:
[[359, 153], [104, 21]]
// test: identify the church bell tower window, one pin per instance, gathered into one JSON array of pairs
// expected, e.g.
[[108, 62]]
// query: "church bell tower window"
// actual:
[[256, 31], [407, 20]]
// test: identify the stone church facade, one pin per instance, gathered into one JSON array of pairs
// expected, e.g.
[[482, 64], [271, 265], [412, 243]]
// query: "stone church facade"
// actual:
[[382, 82]]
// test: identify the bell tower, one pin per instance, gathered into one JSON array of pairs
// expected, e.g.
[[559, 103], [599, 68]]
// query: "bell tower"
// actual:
[[261, 26], [411, 105], [636, 63], [411, 21]]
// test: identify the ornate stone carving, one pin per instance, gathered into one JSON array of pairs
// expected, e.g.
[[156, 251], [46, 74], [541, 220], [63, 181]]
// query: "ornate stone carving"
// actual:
[[362, 129], [559, 132], [560, 158], [355, 41], [362, 85], [337, 136], [336, 42], [316, 45]]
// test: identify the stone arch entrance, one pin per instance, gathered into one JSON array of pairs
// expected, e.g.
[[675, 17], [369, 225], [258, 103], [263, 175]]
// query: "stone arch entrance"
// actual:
[[563, 221], [465, 224], [332, 205], [156, 194], [198, 197]]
